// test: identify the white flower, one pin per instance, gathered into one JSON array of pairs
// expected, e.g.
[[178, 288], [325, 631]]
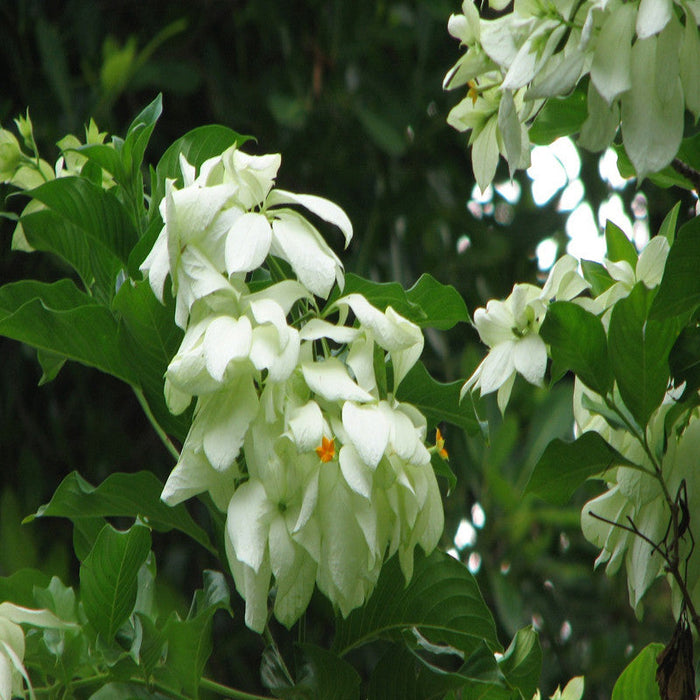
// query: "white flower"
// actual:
[[271, 527], [649, 269], [12, 670], [511, 329], [636, 495], [196, 220]]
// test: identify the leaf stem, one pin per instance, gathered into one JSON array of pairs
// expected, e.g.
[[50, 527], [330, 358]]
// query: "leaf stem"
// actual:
[[156, 426]]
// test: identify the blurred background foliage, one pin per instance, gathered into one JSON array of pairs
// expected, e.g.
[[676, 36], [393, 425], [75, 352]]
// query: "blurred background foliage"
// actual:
[[350, 94]]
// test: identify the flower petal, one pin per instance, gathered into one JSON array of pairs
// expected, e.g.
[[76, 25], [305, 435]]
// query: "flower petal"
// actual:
[[368, 431], [323, 208], [530, 358], [330, 379], [248, 243]]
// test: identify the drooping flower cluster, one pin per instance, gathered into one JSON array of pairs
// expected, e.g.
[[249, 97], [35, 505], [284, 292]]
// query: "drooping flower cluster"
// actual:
[[643, 59], [321, 472]]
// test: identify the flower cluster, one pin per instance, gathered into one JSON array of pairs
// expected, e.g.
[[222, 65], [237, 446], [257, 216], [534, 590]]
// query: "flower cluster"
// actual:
[[632, 521], [321, 472], [510, 328], [635, 499], [643, 59]]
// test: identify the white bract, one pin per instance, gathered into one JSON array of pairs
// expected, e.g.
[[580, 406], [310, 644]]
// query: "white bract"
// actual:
[[636, 496], [643, 59], [510, 329], [12, 671]]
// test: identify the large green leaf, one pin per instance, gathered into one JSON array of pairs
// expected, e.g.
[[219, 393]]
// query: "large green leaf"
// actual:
[[578, 343], [150, 340], [564, 466], [96, 265], [679, 292], [442, 304], [638, 680], [428, 303], [442, 601], [638, 350], [96, 213], [196, 146], [438, 402], [120, 495], [61, 319], [399, 675], [109, 576], [522, 662]]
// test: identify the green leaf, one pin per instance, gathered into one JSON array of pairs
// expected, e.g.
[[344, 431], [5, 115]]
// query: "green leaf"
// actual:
[[619, 246], [684, 360], [189, 641], [381, 295], [668, 225], [679, 292], [438, 402], [442, 601], [19, 587], [442, 468], [61, 319], [321, 674], [51, 364], [96, 265], [107, 157], [428, 303], [564, 466], [560, 117], [399, 675], [109, 576], [578, 343], [639, 350], [442, 304], [665, 178], [638, 680], [197, 146], [597, 276], [96, 213], [522, 662], [121, 495], [139, 132], [153, 647], [150, 339]]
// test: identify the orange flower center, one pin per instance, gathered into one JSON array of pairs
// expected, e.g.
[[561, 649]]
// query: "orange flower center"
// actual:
[[326, 450], [440, 444]]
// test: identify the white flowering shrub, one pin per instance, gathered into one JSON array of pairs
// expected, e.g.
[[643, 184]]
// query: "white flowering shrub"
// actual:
[[293, 402]]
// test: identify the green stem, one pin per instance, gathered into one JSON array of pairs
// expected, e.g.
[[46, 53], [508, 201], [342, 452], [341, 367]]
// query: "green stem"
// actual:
[[156, 426], [226, 692]]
